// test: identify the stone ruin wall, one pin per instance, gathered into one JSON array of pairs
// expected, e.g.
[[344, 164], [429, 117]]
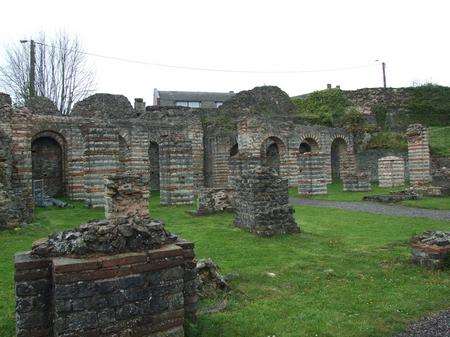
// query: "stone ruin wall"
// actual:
[[312, 176], [130, 290], [96, 142], [391, 171], [418, 154], [262, 204]]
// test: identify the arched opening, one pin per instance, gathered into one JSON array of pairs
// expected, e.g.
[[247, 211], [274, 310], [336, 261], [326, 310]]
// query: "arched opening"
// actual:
[[271, 152], [153, 155], [308, 145], [123, 155], [48, 162], [338, 152], [234, 150]]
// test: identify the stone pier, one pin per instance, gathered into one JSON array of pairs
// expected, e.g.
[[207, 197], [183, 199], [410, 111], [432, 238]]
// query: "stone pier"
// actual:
[[391, 171], [262, 204], [418, 154], [312, 175], [123, 276]]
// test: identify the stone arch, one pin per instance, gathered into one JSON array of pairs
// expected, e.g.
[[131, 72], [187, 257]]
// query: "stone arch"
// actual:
[[309, 144], [338, 153], [48, 161], [154, 165], [272, 153]]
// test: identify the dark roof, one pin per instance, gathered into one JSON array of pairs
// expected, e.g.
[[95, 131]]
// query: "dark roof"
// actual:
[[195, 96]]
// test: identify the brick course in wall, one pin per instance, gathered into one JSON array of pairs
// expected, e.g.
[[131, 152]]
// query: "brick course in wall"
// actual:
[[312, 176], [262, 204], [418, 154], [391, 171]]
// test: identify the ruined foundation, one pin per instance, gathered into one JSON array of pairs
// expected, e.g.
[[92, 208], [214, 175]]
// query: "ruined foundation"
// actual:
[[123, 276], [418, 155], [262, 204], [214, 200], [431, 249], [391, 171], [312, 177]]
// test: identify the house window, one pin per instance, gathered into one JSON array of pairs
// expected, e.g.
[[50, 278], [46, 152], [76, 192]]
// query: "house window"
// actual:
[[190, 104], [218, 103]]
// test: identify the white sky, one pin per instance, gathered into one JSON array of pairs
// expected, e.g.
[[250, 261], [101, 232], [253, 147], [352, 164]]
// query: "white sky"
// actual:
[[413, 37]]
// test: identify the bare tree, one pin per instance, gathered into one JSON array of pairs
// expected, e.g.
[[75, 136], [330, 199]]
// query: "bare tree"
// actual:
[[62, 72]]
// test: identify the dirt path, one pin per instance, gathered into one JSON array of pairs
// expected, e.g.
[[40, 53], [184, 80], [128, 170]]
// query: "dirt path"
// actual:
[[377, 208]]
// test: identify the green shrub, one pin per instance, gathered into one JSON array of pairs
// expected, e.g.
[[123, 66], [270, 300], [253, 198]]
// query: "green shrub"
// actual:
[[429, 105], [440, 141], [380, 111], [353, 121], [325, 107], [388, 140]]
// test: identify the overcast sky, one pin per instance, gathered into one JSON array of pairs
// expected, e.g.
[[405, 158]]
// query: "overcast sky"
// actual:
[[412, 37]]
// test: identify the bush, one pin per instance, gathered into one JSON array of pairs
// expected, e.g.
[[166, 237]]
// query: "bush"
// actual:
[[325, 107], [388, 140], [429, 105], [380, 111], [353, 121]]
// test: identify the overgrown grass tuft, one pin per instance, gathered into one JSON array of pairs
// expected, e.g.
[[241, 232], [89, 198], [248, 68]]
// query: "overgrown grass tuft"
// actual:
[[347, 274]]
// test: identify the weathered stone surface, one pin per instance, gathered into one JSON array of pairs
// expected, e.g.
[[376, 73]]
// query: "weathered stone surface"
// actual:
[[393, 197], [262, 204], [213, 200], [391, 171], [104, 105], [418, 154], [431, 249], [123, 276], [42, 106], [312, 177]]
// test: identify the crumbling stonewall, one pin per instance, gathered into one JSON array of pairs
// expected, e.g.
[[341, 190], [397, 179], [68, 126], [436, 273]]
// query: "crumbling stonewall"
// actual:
[[431, 249], [262, 204], [214, 200], [418, 154], [121, 276]]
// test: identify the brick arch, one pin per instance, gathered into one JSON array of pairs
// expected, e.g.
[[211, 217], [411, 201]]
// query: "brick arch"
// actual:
[[273, 153], [49, 161]]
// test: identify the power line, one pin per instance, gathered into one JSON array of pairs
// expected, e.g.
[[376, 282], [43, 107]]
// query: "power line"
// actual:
[[222, 70]]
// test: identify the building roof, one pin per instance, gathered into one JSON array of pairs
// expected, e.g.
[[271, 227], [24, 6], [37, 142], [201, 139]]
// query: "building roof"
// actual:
[[194, 96]]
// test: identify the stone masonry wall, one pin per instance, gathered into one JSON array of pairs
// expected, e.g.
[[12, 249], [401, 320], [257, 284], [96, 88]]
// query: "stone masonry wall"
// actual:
[[312, 176], [391, 171], [262, 204], [123, 276], [418, 154]]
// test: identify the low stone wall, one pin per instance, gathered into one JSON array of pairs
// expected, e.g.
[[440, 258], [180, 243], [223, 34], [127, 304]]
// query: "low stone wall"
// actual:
[[356, 182], [145, 293], [431, 249], [123, 276], [418, 154], [213, 200], [262, 204], [312, 176], [391, 171]]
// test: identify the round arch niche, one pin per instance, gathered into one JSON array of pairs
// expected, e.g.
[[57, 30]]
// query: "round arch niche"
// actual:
[[308, 145], [272, 150], [339, 149], [48, 162]]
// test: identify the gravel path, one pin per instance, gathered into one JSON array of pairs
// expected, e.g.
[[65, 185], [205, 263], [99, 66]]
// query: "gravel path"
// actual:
[[437, 325], [378, 208]]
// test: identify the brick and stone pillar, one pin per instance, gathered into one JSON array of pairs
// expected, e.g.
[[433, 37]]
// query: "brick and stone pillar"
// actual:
[[391, 171], [262, 204], [418, 154], [312, 176]]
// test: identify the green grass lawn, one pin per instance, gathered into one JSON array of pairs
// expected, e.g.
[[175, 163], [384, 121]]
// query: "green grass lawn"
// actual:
[[335, 193], [347, 274]]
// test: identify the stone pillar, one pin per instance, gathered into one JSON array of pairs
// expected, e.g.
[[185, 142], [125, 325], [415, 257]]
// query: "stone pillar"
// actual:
[[312, 177], [139, 106], [262, 204], [418, 154], [126, 196], [391, 171], [176, 177]]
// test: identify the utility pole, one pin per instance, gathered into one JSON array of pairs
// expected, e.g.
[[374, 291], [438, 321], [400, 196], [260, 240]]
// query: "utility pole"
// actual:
[[383, 65], [32, 75]]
